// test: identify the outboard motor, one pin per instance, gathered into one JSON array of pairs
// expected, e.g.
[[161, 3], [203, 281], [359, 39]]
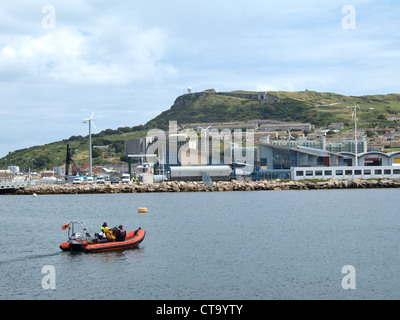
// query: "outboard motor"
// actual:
[[76, 242]]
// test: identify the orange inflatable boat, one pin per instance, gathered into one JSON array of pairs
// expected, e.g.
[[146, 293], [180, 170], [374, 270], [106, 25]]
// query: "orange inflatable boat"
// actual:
[[82, 241]]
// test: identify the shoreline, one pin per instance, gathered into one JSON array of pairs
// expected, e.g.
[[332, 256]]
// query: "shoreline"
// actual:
[[192, 186]]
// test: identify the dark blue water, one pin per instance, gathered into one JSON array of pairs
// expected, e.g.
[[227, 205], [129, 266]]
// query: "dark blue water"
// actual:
[[221, 245]]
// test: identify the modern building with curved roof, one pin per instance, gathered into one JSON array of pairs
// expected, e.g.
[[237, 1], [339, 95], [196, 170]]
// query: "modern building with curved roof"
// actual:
[[299, 162], [372, 158]]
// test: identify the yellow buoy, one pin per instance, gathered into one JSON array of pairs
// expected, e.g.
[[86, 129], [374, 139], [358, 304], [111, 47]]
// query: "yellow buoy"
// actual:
[[142, 210]]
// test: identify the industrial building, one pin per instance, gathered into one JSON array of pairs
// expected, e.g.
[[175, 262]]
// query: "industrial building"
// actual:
[[137, 146], [270, 160], [196, 173]]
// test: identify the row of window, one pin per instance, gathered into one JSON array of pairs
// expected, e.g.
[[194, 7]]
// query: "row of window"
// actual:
[[346, 172]]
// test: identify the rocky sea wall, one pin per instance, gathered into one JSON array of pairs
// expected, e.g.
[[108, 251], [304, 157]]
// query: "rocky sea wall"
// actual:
[[183, 186]]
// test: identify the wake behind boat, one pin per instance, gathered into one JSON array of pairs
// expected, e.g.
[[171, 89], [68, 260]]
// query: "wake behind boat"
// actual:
[[83, 241]]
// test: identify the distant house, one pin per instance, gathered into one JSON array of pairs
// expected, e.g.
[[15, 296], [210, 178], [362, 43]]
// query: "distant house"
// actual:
[[6, 174], [261, 134], [14, 169], [235, 125], [375, 147], [393, 118], [96, 171], [389, 131], [287, 126], [101, 147], [313, 136], [336, 126]]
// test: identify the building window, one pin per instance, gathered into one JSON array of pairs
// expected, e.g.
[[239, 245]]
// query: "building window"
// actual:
[[348, 172], [378, 171], [373, 161], [396, 171], [299, 173], [284, 159], [263, 162], [328, 172], [309, 173], [387, 171], [348, 162], [339, 172], [367, 171], [357, 172], [318, 172]]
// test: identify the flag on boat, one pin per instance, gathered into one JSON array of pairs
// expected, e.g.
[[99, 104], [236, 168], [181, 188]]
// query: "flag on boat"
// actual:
[[65, 226]]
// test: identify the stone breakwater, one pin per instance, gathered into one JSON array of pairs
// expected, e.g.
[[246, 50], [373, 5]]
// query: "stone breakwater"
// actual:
[[181, 186]]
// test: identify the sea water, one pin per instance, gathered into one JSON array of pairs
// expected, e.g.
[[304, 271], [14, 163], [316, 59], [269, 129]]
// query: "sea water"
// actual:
[[251, 245]]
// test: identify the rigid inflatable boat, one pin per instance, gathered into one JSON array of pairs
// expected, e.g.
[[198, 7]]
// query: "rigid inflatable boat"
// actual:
[[84, 242]]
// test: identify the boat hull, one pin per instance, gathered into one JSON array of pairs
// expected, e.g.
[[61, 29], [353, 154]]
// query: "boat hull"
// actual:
[[133, 239]]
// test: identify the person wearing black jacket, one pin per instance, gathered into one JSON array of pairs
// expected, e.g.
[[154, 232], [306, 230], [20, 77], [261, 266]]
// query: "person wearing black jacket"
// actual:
[[120, 234]]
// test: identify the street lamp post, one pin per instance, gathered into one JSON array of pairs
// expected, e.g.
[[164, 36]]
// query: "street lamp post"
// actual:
[[354, 116], [206, 148], [58, 174], [76, 161], [90, 142], [29, 170]]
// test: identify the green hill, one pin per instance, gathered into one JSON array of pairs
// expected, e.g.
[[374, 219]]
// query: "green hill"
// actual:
[[318, 108]]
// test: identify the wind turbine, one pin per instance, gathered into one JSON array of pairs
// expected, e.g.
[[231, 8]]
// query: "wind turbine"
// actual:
[[90, 121], [290, 137]]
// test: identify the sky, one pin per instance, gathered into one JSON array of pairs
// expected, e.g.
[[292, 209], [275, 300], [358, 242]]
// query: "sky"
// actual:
[[127, 61]]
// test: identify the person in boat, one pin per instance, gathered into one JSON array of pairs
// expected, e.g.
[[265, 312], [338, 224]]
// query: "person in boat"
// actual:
[[108, 232], [120, 234], [102, 233], [104, 226]]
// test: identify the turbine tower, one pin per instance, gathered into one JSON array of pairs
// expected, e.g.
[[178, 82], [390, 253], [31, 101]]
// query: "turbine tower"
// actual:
[[290, 137], [90, 141]]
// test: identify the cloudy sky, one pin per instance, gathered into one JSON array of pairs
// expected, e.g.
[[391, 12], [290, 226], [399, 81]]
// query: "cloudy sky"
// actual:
[[127, 61]]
